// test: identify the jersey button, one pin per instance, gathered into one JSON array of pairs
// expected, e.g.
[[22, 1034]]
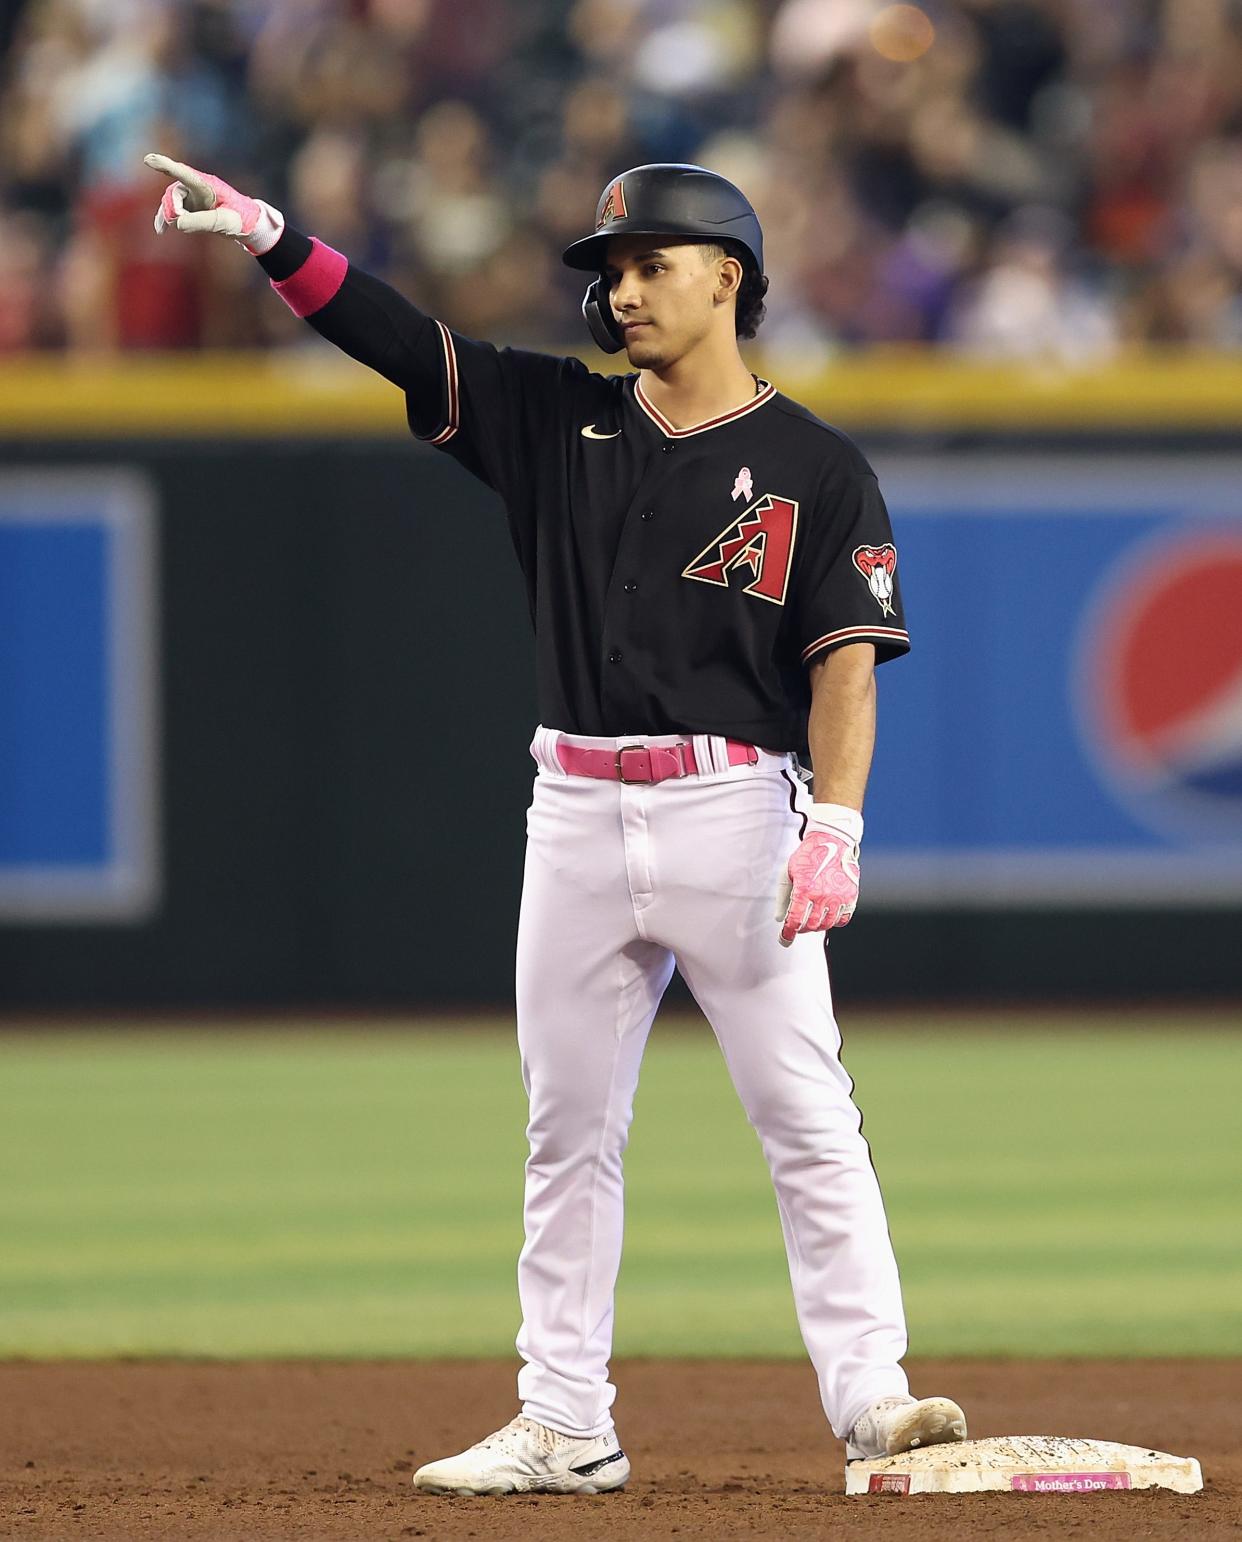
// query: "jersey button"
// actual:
[[668, 448], [614, 657], [648, 514], [630, 588]]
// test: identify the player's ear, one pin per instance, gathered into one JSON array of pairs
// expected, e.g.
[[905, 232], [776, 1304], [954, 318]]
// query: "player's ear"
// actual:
[[728, 277]]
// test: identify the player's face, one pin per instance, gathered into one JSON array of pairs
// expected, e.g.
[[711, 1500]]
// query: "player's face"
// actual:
[[664, 296]]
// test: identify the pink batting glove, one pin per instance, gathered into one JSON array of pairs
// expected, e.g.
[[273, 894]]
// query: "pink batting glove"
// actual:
[[820, 891], [197, 201]]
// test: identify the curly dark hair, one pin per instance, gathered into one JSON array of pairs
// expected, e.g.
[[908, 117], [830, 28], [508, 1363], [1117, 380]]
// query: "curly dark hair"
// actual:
[[750, 307]]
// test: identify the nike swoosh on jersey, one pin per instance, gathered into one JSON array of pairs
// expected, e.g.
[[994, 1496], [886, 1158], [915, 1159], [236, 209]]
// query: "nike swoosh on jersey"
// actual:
[[589, 433]]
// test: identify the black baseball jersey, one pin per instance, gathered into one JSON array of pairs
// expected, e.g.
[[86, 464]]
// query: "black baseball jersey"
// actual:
[[679, 580]]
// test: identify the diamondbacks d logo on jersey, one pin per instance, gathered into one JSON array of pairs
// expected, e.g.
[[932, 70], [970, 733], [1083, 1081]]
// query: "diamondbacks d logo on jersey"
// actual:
[[877, 564], [762, 541]]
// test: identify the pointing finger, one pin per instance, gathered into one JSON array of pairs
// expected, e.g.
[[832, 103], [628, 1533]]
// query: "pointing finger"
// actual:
[[202, 195], [162, 163]]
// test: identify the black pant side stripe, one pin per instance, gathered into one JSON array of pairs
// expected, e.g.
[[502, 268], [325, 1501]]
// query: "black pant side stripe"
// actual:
[[793, 805]]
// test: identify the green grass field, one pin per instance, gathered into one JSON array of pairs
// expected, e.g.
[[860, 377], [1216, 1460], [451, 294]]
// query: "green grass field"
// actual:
[[1053, 1187]]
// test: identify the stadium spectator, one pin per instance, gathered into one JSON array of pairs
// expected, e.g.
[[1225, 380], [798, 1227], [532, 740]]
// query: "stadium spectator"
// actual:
[[1020, 178]]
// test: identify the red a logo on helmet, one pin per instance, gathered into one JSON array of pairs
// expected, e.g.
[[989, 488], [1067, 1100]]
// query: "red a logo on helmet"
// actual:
[[760, 540], [614, 205]]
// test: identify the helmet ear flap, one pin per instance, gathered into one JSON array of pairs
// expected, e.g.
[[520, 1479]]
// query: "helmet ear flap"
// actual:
[[596, 309]]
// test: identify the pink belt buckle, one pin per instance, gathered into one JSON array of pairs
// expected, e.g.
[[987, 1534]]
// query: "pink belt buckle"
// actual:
[[633, 749], [662, 761]]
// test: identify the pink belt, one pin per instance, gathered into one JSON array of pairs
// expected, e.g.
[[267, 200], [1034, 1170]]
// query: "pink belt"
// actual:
[[645, 762]]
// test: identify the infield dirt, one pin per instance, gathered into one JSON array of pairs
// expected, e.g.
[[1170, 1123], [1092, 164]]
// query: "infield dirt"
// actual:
[[720, 1449]]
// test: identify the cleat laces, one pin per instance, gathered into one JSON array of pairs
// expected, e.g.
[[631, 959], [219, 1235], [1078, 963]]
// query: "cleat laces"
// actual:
[[517, 1436]]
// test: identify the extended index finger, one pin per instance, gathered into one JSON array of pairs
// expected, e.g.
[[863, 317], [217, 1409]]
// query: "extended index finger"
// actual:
[[182, 173]]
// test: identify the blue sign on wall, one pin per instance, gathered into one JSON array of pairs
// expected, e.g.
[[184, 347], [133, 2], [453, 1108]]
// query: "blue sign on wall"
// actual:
[[79, 786], [1068, 726]]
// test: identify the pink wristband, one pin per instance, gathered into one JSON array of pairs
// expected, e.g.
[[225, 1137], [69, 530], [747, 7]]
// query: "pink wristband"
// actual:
[[316, 281]]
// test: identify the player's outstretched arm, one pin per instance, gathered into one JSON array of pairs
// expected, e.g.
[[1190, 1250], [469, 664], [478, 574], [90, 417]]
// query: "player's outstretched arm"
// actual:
[[361, 315]]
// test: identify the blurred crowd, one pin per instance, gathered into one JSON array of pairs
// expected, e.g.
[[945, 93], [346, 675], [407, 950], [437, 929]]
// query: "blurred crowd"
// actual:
[[1012, 178]]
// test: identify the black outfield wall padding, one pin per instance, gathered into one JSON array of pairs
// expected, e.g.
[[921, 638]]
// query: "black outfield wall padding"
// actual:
[[346, 698]]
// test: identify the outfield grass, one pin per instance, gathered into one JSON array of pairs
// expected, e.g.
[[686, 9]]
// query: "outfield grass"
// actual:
[[1054, 1188]]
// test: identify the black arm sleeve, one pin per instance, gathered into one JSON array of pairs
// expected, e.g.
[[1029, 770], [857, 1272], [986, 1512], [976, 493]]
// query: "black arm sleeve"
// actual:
[[497, 411], [368, 320], [285, 258]]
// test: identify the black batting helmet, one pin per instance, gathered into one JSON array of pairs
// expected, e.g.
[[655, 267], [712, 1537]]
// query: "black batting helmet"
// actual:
[[660, 200]]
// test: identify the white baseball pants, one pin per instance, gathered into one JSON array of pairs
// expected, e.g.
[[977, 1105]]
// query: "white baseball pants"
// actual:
[[621, 881]]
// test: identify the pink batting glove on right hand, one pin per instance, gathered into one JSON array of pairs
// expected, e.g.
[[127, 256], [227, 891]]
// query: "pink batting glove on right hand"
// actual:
[[820, 890], [197, 201]]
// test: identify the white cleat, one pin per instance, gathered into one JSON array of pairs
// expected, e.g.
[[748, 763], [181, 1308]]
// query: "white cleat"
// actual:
[[529, 1458], [897, 1424]]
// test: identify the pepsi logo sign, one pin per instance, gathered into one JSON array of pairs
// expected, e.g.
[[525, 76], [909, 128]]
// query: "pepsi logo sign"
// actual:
[[1159, 682]]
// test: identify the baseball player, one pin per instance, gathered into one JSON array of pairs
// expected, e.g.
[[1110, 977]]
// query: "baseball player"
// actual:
[[712, 579]]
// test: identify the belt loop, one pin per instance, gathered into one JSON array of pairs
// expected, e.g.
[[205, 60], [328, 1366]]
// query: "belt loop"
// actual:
[[705, 753], [543, 748]]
